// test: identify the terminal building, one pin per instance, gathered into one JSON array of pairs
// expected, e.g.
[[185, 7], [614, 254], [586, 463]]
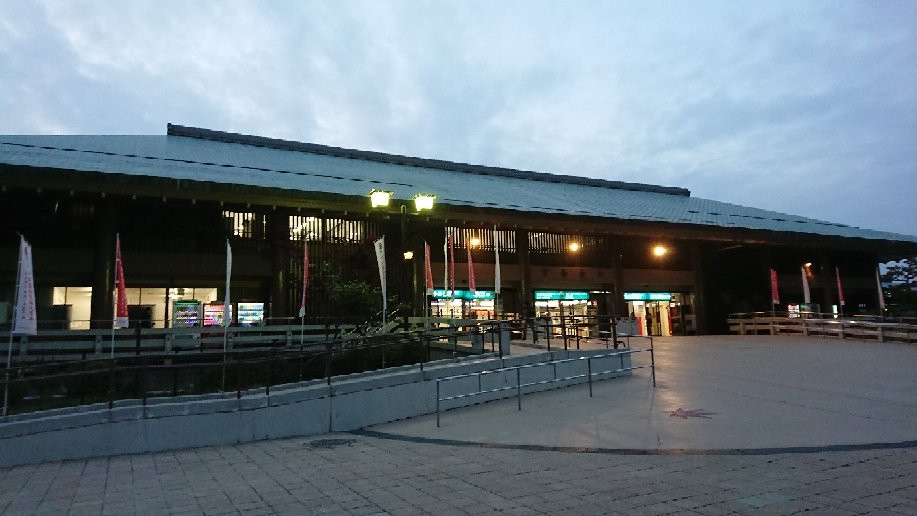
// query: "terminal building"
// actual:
[[677, 264]]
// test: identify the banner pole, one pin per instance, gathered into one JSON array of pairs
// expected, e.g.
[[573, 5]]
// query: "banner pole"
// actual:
[[9, 349], [114, 301]]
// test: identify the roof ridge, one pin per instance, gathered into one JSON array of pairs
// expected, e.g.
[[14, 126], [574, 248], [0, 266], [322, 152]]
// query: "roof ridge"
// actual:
[[314, 148]]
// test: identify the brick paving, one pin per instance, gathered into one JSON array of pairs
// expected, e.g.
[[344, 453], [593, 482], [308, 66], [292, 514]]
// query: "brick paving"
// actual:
[[361, 474], [808, 410]]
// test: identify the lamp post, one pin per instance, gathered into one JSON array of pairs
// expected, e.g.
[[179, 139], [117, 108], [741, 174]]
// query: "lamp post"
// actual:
[[381, 200]]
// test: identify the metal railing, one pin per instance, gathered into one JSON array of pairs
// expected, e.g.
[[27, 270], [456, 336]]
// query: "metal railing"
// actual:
[[810, 324], [518, 373], [42, 386]]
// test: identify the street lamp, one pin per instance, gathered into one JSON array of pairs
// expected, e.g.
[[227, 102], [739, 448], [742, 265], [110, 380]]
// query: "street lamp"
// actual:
[[379, 198], [659, 251], [424, 201]]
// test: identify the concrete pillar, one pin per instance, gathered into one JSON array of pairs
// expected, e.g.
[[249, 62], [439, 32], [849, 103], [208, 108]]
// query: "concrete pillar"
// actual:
[[103, 266], [700, 297]]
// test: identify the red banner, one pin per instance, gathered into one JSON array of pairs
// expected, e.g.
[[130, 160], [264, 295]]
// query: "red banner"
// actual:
[[451, 267], [840, 289], [428, 269], [121, 318], [775, 296], [472, 284]]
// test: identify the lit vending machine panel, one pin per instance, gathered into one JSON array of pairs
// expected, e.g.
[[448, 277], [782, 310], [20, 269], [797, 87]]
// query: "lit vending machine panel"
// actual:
[[250, 314], [213, 314], [186, 314]]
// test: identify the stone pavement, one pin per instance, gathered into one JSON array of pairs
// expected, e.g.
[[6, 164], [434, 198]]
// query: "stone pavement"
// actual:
[[356, 474], [844, 415]]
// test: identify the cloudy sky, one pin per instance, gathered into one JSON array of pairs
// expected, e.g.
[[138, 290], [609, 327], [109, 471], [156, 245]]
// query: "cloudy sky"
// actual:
[[807, 108]]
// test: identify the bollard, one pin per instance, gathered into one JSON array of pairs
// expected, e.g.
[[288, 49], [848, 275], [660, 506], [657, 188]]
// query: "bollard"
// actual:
[[518, 390]]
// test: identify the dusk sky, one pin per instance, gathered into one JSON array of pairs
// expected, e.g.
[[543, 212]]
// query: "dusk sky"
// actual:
[[806, 108]]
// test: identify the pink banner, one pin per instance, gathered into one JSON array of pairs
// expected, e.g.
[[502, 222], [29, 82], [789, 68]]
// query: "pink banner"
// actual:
[[428, 268], [121, 318], [840, 289], [775, 296], [472, 284], [451, 268]]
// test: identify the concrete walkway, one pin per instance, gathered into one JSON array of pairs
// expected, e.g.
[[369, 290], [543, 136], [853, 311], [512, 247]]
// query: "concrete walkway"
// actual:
[[776, 425], [719, 392]]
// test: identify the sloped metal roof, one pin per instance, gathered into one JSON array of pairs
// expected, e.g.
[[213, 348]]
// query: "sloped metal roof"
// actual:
[[354, 173]]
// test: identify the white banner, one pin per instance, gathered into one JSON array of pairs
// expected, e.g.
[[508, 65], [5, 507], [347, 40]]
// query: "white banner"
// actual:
[[807, 297], [227, 308], [881, 294], [496, 262], [25, 321], [379, 245], [446, 264]]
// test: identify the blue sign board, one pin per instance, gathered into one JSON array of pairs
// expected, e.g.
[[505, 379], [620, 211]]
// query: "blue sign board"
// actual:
[[647, 296], [463, 294], [560, 295]]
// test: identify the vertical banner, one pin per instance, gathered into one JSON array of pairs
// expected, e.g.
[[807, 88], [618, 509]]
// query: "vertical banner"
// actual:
[[472, 284], [840, 288], [807, 297], [379, 245], [881, 294], [121, 317], [446, 264], [305, 278], [25, 321], [496, 264], [227, 307], [775, 296], [451, 269], [428, 268]]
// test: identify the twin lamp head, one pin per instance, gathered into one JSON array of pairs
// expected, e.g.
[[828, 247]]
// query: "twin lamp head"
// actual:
[[381, 198]]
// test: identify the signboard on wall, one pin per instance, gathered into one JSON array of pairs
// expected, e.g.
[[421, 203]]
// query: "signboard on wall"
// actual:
[[647, 296], [463, 294], [560, 295]]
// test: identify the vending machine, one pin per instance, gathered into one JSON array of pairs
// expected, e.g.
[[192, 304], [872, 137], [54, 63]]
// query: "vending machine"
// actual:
[[250, 314], [186, 314], [213, 314]]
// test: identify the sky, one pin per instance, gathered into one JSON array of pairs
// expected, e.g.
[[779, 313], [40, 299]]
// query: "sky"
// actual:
[[807, 108]]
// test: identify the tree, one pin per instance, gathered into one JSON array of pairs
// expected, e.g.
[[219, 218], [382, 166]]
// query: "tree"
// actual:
[[901, 292]]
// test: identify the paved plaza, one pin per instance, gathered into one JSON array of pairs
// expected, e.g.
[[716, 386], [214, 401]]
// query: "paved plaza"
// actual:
[[776, 425]]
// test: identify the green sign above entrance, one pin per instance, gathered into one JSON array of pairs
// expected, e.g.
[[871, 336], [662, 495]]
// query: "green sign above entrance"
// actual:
[[463, 294], [647, 296], [555, 295]]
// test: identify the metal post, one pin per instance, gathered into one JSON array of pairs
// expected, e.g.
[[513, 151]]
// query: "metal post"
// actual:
[[589, 371], [270, 372], [518, 390], [143, 381], [328, 348], [547, 326], [111, 384], [238, 379], [652, 362], [437, 403]]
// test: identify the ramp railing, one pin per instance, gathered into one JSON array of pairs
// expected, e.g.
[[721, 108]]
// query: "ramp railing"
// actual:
[[624, 365]]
